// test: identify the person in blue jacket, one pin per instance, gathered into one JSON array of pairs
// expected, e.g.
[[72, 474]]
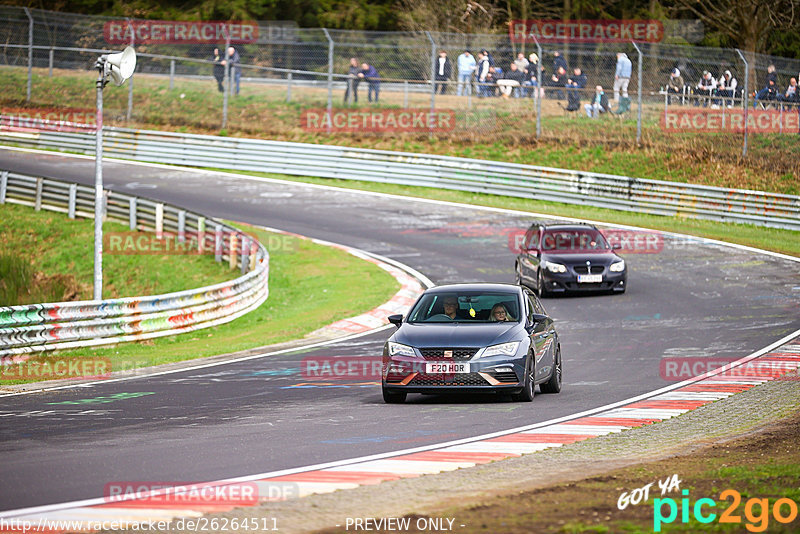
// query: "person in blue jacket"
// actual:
[[370, 73]]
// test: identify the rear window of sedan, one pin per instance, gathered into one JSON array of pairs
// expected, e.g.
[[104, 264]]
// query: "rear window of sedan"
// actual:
[[466, 307]]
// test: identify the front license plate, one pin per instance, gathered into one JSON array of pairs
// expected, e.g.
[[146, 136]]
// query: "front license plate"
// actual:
[[590, 278], [446, 368]]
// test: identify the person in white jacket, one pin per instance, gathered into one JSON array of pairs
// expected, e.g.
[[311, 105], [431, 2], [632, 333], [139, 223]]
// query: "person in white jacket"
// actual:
[[726, 88], [706, 87], [483, 74]]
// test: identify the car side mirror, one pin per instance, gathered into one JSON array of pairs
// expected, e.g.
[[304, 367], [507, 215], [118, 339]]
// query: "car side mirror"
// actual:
[[396, 320], [539, 318]]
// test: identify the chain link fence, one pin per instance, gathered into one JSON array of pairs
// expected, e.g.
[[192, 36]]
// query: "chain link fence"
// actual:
[[291, 82]]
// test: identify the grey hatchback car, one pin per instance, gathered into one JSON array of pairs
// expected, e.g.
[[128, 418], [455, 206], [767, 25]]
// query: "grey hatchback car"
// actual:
[[494, 338]]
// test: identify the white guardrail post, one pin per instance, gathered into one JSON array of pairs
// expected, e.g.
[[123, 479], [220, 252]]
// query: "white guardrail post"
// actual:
[[445, 172], [41, 327]]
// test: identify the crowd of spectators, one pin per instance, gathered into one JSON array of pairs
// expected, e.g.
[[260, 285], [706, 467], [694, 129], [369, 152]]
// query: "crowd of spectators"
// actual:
[[726, 91], [526, 77], [520, 78]]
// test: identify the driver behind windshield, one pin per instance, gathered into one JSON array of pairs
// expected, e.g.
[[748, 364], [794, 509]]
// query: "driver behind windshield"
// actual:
[[450, 307]]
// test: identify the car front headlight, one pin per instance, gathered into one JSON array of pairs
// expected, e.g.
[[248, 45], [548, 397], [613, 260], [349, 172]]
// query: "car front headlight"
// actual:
[[554, 267], [503, 349], [398, 349], [617, 267]]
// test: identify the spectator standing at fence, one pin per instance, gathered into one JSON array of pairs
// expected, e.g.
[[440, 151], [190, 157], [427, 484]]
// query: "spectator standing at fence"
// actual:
[[232, 59], [706, 86], [219, 69], [533, 64], [575, 84], [532, 75], [522, 63], [483, 75], [488, 57], [466, 68], [622, 75], [770, 90], [598, 105], [370, 73], [726, 87], [444, 70], [558, 79], [675, 83], [352, 81], [531, 83], [559, 62]]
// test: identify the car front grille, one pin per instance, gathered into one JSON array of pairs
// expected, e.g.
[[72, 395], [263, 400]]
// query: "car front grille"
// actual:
[[574, 286], [461, 379], [437, 354], [584, 269]]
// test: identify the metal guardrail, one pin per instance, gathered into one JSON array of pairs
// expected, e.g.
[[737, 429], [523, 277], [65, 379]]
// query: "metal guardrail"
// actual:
[[41, 327], [445, 172]]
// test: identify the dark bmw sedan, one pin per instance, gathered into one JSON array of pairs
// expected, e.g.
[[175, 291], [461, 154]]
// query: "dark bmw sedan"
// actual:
[[473, 338], [561, 258]]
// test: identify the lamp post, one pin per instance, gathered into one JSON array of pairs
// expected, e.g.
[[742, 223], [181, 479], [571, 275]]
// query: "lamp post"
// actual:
[[117, 67]]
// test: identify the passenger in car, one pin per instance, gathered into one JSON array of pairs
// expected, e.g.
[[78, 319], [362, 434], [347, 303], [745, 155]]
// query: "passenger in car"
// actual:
[[499, 313]]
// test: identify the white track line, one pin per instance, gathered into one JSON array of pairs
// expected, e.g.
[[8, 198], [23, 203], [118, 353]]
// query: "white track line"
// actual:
[[455, 443]]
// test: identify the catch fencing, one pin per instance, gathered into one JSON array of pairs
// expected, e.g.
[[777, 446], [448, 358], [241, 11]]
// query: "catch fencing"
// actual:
[[444, 172], [34, 328], [287, 70]]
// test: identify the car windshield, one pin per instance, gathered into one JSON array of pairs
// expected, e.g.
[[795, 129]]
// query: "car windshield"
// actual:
[[582, 240], [466, 307]]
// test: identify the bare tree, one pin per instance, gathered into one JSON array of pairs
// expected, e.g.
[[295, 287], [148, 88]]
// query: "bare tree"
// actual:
[[747, 23], [455, 16]]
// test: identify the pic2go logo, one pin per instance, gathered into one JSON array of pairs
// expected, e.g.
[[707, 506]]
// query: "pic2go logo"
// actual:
[[756, 511]]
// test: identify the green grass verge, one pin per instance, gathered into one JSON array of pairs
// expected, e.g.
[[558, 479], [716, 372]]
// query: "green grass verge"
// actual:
[[61, 249], [310, 286], [504, 130], [777, 240]]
